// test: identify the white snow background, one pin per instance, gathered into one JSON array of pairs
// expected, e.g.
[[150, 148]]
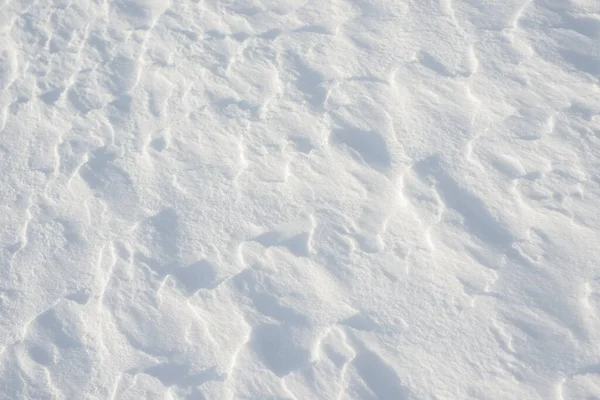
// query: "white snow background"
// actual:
[[301, 199]]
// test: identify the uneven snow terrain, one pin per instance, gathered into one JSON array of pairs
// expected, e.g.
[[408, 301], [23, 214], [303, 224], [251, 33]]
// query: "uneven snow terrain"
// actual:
[[300, 199]]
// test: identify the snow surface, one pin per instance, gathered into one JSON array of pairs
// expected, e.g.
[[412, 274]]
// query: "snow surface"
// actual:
[[301, 199]]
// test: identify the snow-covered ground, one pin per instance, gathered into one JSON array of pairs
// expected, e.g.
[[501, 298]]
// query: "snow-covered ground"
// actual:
[[300, 199]]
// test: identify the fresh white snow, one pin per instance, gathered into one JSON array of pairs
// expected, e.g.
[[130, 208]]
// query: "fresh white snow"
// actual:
[[300, 199]]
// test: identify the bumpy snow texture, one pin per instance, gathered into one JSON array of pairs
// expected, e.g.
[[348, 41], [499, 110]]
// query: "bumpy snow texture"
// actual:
[[300, 199]]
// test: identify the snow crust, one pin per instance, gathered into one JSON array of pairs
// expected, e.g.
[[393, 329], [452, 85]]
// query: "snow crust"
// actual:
[[300, 199]]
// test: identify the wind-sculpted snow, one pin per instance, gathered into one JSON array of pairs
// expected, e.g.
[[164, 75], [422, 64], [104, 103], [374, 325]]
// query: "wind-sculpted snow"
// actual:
[[256, 199]]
